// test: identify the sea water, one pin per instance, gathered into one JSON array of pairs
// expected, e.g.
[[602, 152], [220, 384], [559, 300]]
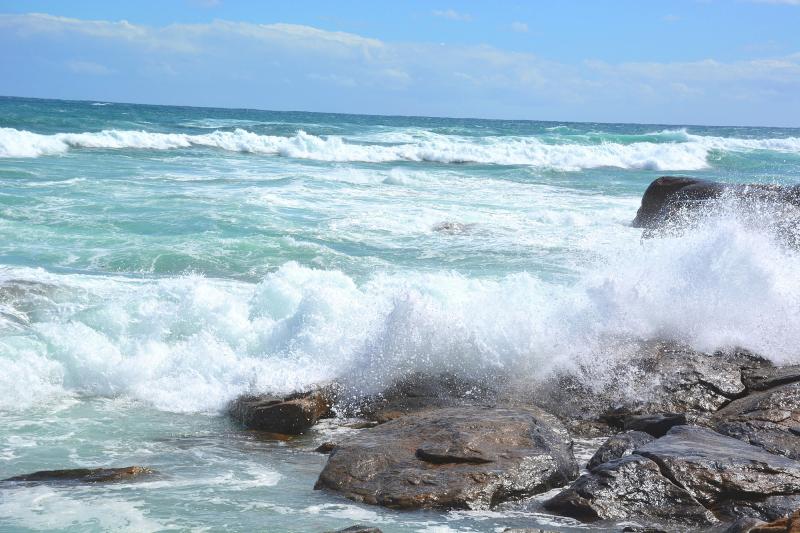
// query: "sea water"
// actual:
[[156, 262]]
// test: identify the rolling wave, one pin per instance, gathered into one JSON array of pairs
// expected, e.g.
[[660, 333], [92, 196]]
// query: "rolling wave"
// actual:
[[691, 154]]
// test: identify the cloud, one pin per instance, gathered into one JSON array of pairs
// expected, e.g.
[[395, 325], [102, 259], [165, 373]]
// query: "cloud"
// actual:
[[290, 66], [519, 27], [452, 14], [779, 2], [671, 18]]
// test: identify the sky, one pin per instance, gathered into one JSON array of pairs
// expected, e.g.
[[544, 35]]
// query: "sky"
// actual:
[[716, 62]]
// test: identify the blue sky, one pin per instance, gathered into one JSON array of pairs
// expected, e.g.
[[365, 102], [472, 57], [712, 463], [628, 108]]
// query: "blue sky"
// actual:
[[681, 62]]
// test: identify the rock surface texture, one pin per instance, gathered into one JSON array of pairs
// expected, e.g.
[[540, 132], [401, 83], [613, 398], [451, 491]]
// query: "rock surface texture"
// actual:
[[452, 458], [291, 415]]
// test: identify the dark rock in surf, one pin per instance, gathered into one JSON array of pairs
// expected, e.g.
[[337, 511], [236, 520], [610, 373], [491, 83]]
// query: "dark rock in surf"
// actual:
[[618, 446], [452, 458], [769, 419], [654, 378], [656, 425], [290, 415], [669, 197], [357, 529], [718, 470], [83, 475], [630, 487]]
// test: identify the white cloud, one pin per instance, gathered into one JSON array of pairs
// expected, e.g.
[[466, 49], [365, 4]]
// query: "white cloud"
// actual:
[[783, 2], [249, 63], [452, 14], [519, 27], [671, 18]]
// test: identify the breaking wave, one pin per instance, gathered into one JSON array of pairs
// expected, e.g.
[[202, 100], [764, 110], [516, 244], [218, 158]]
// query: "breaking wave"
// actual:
[[191, 344], [691, 154]]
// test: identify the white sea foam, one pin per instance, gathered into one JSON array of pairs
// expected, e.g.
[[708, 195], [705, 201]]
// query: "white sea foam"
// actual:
[[191, 344], [570, 156]]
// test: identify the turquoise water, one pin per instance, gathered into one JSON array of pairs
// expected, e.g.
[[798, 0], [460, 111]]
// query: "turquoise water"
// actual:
[[155, 262]]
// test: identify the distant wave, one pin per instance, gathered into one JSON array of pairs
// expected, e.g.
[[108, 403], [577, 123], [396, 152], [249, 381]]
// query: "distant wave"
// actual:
[[691, 154]]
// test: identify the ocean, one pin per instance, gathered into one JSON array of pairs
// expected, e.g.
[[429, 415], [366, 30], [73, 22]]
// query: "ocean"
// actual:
[[156, 262]]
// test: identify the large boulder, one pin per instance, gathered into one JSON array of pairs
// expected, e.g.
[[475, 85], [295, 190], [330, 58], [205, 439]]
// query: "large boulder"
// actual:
[[83, 475], [452, 458], [289, 415], [630, 487], [669, 197], [716, 469], [657, 385], [769, 419], [682, 475]]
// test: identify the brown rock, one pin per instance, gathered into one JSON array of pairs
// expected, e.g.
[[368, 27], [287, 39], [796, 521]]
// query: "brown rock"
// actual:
[[83, 475]]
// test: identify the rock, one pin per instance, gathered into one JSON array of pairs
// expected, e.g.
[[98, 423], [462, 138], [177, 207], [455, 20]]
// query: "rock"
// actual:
[[421, 392], [664, 194], [357, 529], [669, 197], [291, 415], [452, 458], [630, 487], [325, 447], [452, 228], [716, 469], [743, 525], [656, 425], [789, 524], [654, 378], [769, 419], [685, 476], [618, 446], [759, 379], [83, 475]]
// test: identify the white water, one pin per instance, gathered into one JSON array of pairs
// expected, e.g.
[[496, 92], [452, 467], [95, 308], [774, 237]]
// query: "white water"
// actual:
[[191, 344], [691, 154]]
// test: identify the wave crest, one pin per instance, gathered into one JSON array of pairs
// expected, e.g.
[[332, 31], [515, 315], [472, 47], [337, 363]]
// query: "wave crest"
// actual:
[[567, 156]]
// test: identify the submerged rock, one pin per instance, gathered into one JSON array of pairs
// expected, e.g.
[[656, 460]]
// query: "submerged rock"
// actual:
[[291, 415], [83, 475], [452, 458], [630, 487], [769, 419], [618, 446]]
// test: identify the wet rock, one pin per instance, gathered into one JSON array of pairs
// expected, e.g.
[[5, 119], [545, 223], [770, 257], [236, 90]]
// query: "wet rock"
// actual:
[[630, 487], [769, 419], [325, 447], [789, 524], [652, 378], [357, 529], [83, 475], [422, 392], [656, 425], [452, 458], [618, 446], [742, 525], [291, 415], [759, 379], [716, 469], [770, 508], [452, 228], [670, 197]]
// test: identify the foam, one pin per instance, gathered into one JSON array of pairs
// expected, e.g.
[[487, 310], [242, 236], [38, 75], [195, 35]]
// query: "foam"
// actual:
[[190, 344], [567, 156]]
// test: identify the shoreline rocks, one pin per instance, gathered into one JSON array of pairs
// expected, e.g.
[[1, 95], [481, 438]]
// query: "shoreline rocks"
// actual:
[[82, 475], [452, 458], [290, 415]]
